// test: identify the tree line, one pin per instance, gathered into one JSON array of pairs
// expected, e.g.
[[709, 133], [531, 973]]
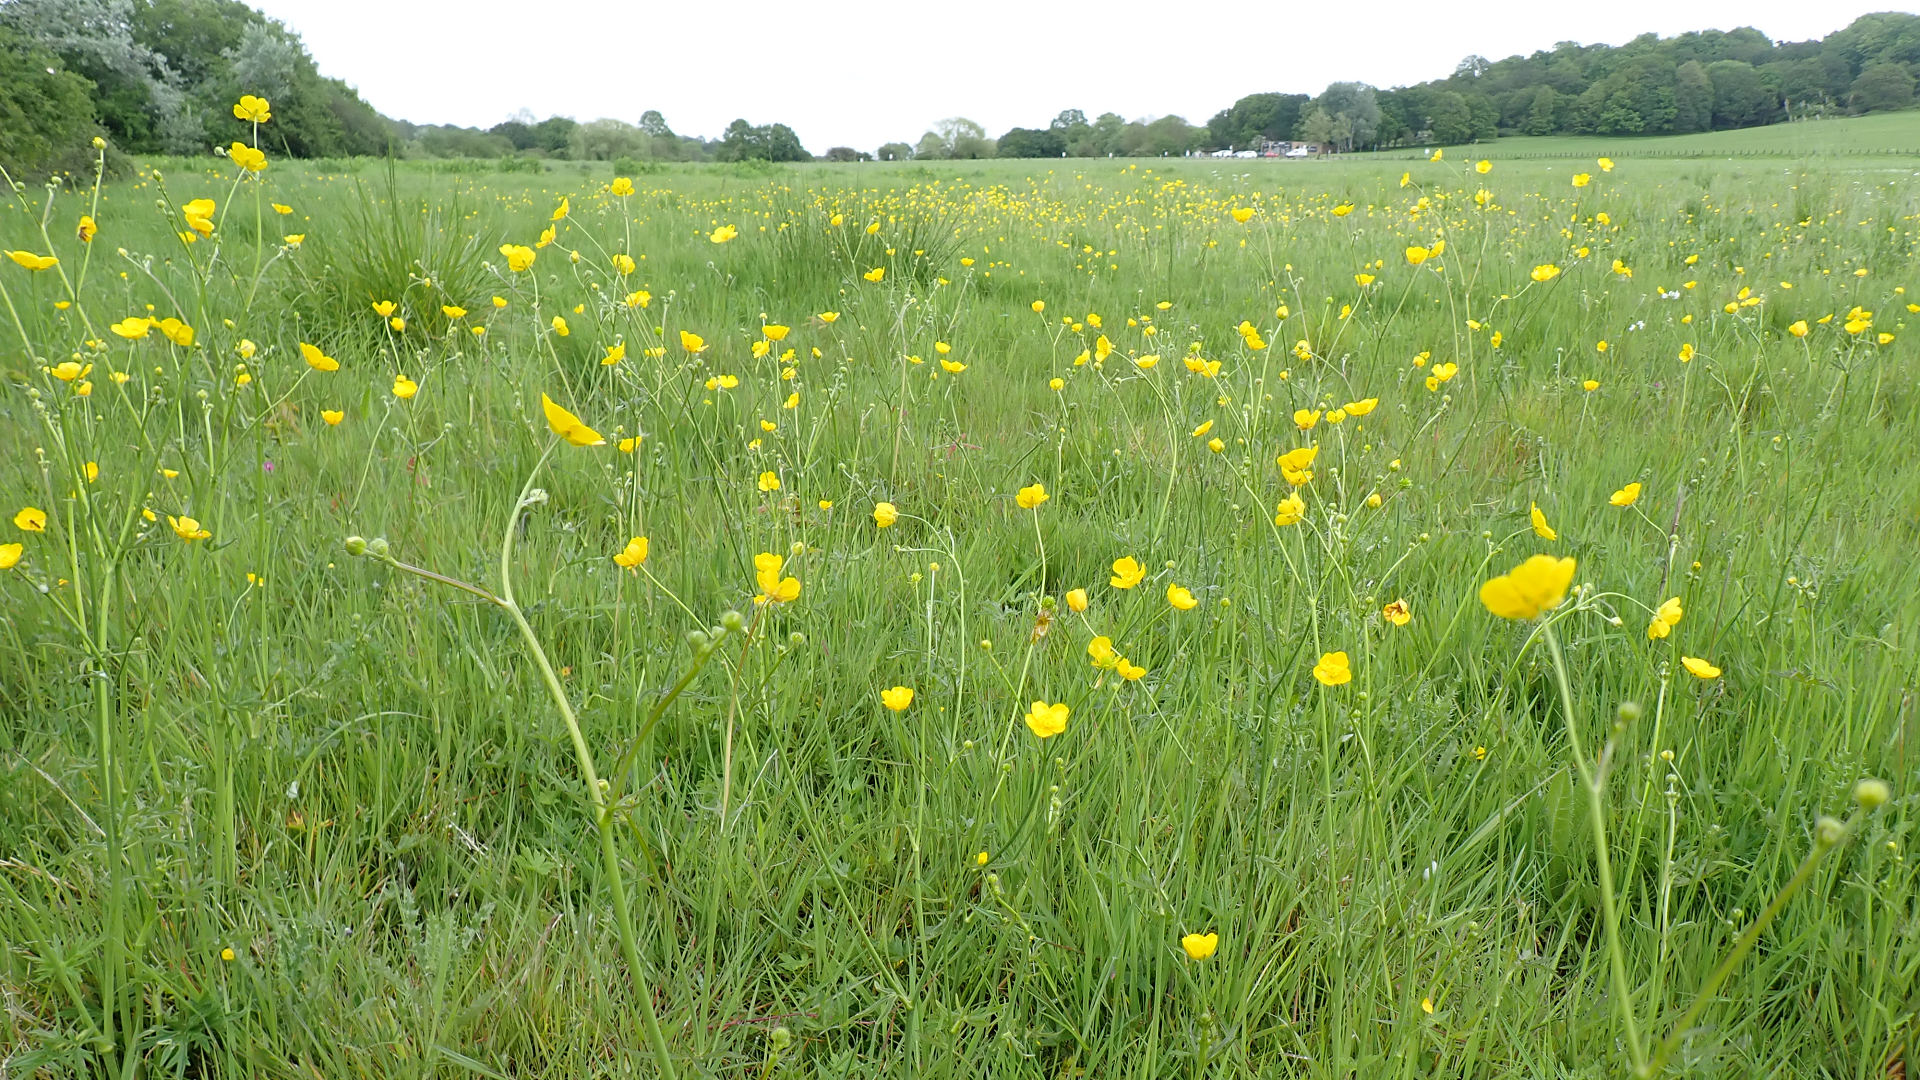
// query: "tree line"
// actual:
[[160, 76]]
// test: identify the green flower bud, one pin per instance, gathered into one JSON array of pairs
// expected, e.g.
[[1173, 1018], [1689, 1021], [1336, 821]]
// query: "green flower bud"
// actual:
[[1870, 793], [356, 546], [732, 622], [377, 547]]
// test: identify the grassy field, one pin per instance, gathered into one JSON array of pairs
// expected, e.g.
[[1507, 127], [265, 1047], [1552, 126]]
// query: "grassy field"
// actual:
[[1286, 795]]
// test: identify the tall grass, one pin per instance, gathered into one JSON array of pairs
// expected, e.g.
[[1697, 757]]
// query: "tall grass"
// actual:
[[367, 784]]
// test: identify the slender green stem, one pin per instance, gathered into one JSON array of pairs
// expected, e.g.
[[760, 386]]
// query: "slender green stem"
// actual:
[[1596, 812], [603, 820], [1826, 837]]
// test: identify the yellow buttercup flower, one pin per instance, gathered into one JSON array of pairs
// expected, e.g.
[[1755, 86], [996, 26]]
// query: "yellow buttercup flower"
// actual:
[[1535, 586], [1545, 272], [620, 186], [723, 234], [187, 528], [828, 317], [568, 426], [1031, 496], [1047, 720], [10, 555], [519, 257], [1077, 599], [562, 210], [559, 325], [1290, 511], [773, 588], [1665, 618], [68, 370], [87, 229], [332, 416], [1304, 419], [404, 388], [897, 698], [633, 554], [1343, 209], [33, 262], [1700, 668], [281, 208], [1180, 598], [1581, 179], [30, 519], [1200, 946], [1241, 213], [615, 353], [1626, 496], [776, 332], [247, 157], [1417, 255], [623, 264], [1127, 572], [252, 109], [1606, 164], [1540, 526], [768, 481], [885, 514], [176, 331], [1397, 613], [875, 274], [1798, 329], [1294, 465], [318, 360], [1483, 166], [1362, 407], [691, 342], [132, 327], [199, 215], [1333, 669], [1100, 652]]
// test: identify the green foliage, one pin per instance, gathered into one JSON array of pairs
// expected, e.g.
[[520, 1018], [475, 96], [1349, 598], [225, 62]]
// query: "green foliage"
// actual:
[[767, 142], [166, 73], [46, 116], [1031, 143]]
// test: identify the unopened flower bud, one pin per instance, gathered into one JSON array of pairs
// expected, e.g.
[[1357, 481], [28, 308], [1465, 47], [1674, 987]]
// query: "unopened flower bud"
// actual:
[[697, 639], [732, 622], [1828, 830], [377, 547], [356, 545], [780, 1038], [1870, 793]]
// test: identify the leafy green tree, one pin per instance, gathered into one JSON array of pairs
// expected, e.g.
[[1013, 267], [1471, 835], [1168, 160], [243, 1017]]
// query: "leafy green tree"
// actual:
[[955, 137], [1255, 119], [1883, 86], [1740, 97], [894, 151], [1692, 98], [1032, 143], [767, 142], [46, 114]]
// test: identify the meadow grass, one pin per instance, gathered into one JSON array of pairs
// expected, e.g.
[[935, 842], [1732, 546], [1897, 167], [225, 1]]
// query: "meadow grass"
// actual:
[[356, 779]]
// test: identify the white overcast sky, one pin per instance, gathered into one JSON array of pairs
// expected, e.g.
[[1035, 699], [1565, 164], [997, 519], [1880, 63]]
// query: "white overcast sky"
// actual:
[[862, 72]]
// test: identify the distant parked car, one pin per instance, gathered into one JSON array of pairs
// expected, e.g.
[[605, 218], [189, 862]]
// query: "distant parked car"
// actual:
[[1300, 151], [1247, 153]]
